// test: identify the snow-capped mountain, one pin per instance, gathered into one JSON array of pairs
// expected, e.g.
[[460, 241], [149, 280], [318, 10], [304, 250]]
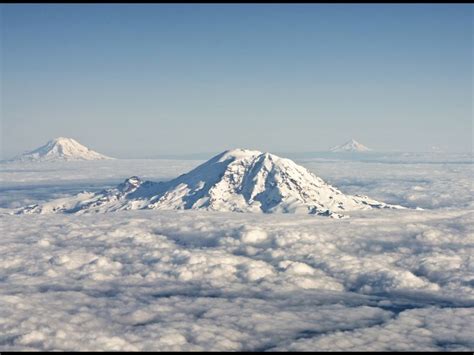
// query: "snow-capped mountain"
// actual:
[[350, 146], [61, 148], [236, 180]]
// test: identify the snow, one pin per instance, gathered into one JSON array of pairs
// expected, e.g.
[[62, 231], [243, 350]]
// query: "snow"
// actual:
[[350, 146], [62, 149], [384, 279], [236, 180]]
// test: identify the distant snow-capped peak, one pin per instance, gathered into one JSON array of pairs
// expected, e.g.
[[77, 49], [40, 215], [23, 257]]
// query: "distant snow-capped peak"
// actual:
[[237, 180], [350, 146], [61, 148]]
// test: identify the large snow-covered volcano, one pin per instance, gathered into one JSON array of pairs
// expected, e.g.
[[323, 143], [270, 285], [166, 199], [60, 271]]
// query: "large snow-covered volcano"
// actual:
[[350, 146], [236, 180], [61, 149]]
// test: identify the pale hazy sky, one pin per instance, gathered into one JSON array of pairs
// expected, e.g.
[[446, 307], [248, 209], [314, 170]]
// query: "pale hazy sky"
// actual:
[[150, 79]]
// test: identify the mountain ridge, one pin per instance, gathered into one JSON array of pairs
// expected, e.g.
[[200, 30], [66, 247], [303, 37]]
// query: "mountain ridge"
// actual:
[[237, 180]]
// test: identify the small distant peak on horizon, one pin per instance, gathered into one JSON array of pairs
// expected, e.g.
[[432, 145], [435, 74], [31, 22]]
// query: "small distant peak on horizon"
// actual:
[[350, 146], [61, 149]]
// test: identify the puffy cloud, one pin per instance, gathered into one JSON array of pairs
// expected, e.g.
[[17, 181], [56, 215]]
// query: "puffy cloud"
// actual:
[[427, 329], [145, 280]]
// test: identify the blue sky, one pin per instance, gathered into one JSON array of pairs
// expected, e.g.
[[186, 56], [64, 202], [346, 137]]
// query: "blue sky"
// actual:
[[150, 79]]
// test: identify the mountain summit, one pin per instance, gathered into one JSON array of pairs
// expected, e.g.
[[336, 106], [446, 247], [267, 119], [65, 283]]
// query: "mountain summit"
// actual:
[[234, 181], [350, 146], [61, 148]]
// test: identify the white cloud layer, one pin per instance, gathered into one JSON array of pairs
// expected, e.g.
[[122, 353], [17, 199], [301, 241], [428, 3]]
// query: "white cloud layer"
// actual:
[[145, 280]]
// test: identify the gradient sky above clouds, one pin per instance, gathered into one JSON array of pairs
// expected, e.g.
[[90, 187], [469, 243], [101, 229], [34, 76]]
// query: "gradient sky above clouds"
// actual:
[[149, 79]]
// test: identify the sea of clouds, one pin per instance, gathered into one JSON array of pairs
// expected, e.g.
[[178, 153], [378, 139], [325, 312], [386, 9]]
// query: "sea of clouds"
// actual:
[[195, 280]]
